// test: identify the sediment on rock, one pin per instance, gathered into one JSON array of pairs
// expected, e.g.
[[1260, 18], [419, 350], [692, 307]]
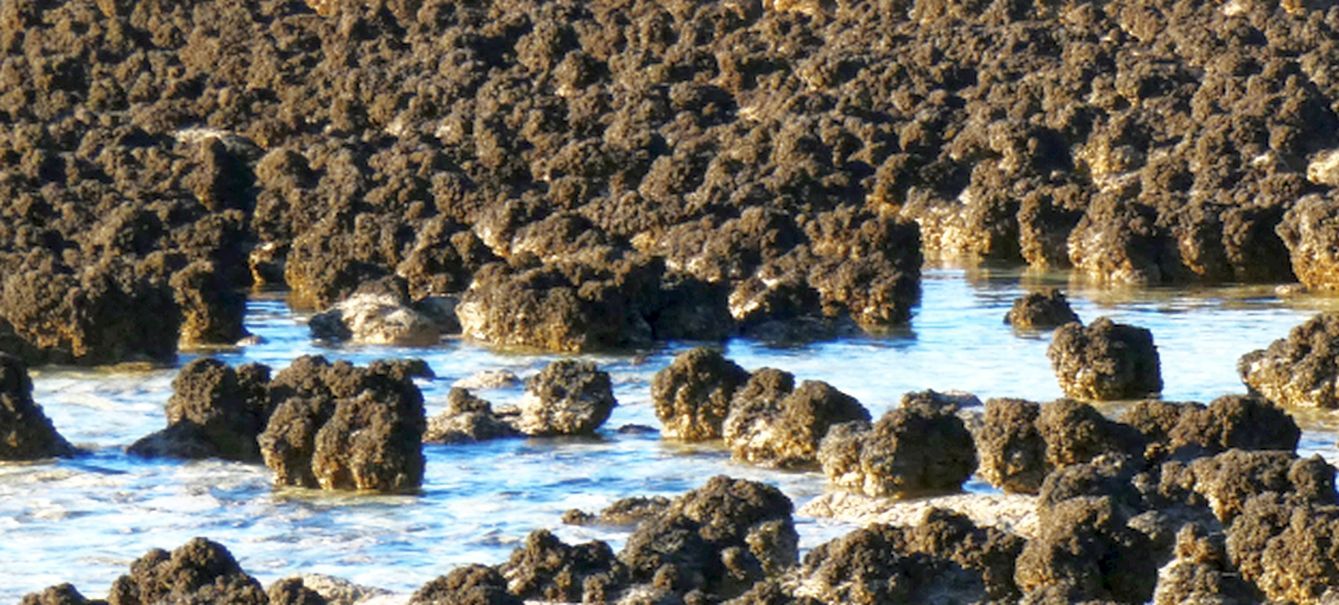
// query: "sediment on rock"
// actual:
[[567, 397], [379, 312], [916, 449], [1040, 311]]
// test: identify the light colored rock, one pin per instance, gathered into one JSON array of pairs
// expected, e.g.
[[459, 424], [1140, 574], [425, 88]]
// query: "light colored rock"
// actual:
[[338, 591], [1009, 512], [1324, 168], [488, 379], [377, 319]]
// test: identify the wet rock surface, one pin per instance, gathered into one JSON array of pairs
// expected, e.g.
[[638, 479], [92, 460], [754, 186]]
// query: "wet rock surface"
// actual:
[[1040, 311], [567, 397], [215, 412], [914, 450], [378, 313], [199, 571], [25, 431], [1105, 360], [773, 423], [466, 419], [1299, 370], [341, 427], [692, 396]]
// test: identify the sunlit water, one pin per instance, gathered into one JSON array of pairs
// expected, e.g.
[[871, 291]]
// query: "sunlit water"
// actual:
[[85, 520]]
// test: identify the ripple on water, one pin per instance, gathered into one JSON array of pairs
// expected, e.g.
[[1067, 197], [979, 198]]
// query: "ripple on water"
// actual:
[[85, 520]]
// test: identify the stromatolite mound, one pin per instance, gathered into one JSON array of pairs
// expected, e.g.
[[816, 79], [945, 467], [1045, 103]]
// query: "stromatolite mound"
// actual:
[[1310, 229], [692, 396], [1105, 360], [337, 426], [215, 412], [943, 558], [1040, 311], [292, 591], [61, 594], [626, 512], [1202, 572], [915, 449], [772, 423], [212, 308], [25, 431], [721, 539], [546, 569], [1225, 482], [1287, 549], [469, 585], [1301, 370], [593, 302], [99, 314], [1085, 550], [467, 419], [1011, 448], [200, 571], [567, 397]]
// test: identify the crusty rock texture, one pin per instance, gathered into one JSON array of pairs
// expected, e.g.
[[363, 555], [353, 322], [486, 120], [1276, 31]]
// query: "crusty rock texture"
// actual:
[[467, 419], [913, 450], [469, 585], [1301, 370], [692, 395], [1310, 229], [1105, 360], [199, 571], [341, 427], [567, 397], [1040, 311], [773, 423], [215, 412], [1011, 448], [25, 431]]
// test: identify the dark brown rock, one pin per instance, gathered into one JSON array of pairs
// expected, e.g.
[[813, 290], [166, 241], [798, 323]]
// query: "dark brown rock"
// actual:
[[25, 431], [199, 571], [1011, 448], [1105, 360], [1040, 311], [692, 395], [913, 450], [469, 585], [215, 412]]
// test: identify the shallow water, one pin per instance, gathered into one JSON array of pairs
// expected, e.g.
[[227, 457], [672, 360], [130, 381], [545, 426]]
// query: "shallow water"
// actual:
[[85, 520]]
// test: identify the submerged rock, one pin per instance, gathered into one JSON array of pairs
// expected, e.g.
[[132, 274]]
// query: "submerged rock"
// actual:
[[466, 419], [1040, 311], [915, 449], [771, 423], [567, 397], [624, 512], [339, 427], [1301, 370], [692, 395], [200, 571], [380, 313], [1105, 360], [212, 309], [215, 412], [25, 431]]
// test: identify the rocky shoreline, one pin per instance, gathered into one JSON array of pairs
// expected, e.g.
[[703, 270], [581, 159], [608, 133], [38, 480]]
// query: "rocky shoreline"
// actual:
[[573, 177]]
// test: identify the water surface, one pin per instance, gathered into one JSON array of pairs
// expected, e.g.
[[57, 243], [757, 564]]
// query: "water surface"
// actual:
[[85, 520]]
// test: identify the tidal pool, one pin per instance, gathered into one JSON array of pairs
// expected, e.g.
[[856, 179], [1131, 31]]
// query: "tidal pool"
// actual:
[[84, 520]]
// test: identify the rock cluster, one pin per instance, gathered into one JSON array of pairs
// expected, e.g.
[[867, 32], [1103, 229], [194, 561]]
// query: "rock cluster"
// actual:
[[215, 411], [692, 395], [912, 450], [774, 423], [567, 397], [381, 313]]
